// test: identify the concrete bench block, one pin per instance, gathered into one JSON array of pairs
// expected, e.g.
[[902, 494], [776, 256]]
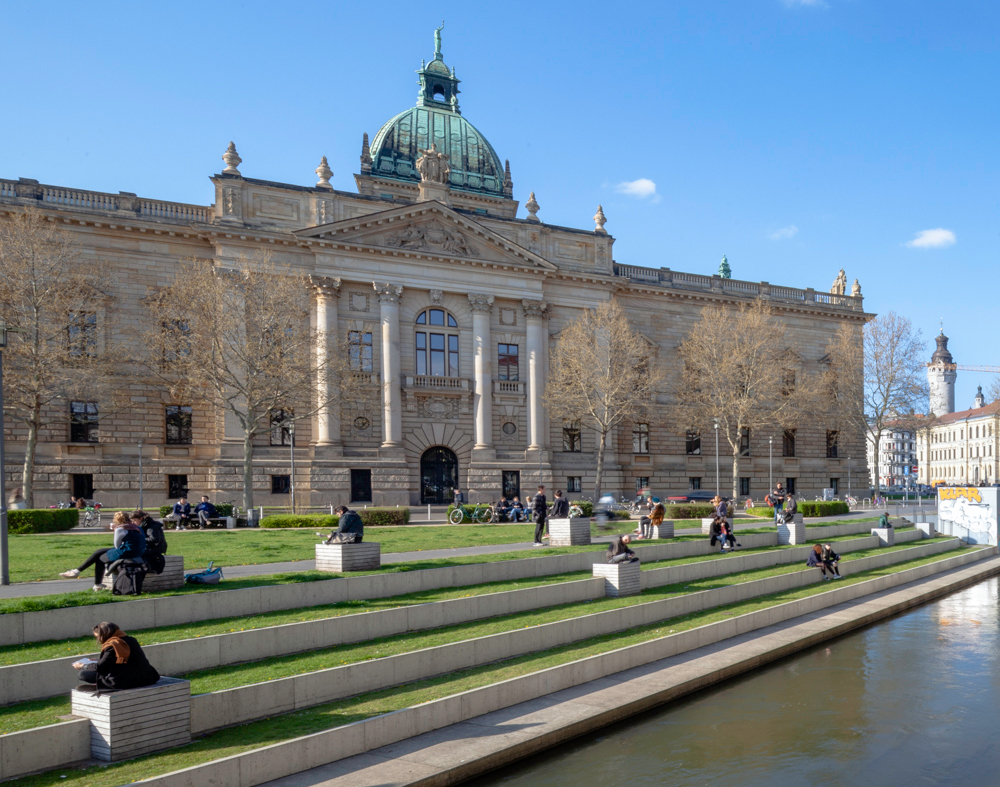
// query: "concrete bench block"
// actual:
[[129, 723], [886, 536], [706, 524], [569, 532], [620, 579], [338, 558], [664, 530], [792, 533], [172, 577], [927, 528]]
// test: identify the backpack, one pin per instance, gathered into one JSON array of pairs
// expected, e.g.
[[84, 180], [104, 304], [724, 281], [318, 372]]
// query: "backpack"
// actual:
[[210, 576], [128, 580]]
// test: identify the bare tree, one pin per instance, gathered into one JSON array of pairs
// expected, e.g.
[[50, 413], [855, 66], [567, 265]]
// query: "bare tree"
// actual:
[[58, 314], [877, 378], [739, 372], [993, 392], [239, 338], [601, 375]]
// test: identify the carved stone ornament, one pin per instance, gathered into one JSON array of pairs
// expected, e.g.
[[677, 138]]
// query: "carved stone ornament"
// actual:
[[325, 286], [436, 296], [508, 317], [433, 166], [324, 212], [532, 207], [438, 408], [359, 301], [232, 159], [856, 289], [324, 173], [839, 284], [388, 293], [432, 236], [599, 221], [232, 201], [535, 309], [480, 302]]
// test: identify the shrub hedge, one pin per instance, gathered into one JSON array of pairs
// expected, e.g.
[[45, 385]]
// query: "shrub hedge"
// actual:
[[370, 517], [691, 510], [42, 520], [222, 509], [807, 508]]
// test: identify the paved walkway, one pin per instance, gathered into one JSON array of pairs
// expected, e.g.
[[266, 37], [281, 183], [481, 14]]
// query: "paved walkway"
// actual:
[[52, 587]]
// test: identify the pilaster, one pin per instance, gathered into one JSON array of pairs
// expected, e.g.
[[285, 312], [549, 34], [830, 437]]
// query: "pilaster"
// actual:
[[392, 423], [328, 432]]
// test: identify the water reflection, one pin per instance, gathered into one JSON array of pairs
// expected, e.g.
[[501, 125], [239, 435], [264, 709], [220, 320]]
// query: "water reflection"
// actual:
[[911, 701]]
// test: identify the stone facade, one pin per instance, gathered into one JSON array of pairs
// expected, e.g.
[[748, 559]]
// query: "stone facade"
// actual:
[[406, 266]]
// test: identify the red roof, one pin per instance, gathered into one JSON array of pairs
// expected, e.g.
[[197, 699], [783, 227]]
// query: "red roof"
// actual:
[[975, 412]]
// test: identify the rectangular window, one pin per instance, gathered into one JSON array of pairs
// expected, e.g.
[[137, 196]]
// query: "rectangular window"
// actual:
[[745, 442], [83, 422], [83, 485], [571, 437], [788, 443], [835, 485], [281, 427], [692, 442], [281, 484], [437, 354], [421, 353], [178, 424], [82, 333], [574, 483], [831, 445], [178, 340], [177, 486], [640, 439], [790, 486], [744, 486], [641, 482], [694, 483], [360, 349], [361, 486], [452, 356], [507, 362], [511, 483]]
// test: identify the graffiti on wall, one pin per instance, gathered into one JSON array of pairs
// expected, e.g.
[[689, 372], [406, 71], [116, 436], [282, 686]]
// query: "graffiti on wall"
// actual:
[[971, 513]]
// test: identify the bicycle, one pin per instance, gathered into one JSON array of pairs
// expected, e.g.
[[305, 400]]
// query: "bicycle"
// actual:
[[482, 513], [93, 516], [852, 502], [575, 512]]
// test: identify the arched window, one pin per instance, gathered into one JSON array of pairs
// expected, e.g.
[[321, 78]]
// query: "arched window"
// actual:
[[437, 344]]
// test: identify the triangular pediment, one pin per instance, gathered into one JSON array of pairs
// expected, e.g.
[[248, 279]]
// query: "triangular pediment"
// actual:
[[429, 229]]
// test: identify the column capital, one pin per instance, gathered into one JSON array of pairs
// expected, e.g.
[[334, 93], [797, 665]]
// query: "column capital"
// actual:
[[325, 286], [388, 293], [535, 309], [480, 302]]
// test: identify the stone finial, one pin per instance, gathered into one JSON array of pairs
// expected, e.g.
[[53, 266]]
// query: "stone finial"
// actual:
[[856, 289], [508, 184], [324, 173], [366, 156], [232, 159], [724, 270], [532, 207], [599, 221]]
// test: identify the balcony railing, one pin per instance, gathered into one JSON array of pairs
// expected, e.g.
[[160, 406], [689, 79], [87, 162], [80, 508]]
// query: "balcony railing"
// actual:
[[508, 387], [455, 384]]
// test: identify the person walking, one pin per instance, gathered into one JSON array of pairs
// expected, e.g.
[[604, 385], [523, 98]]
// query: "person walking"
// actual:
[[539, 511]]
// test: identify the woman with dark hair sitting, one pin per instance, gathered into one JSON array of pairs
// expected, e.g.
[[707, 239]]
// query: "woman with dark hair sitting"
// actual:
[[121, 665]]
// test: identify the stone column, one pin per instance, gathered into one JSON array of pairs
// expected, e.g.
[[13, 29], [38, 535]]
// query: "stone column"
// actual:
[[392, 415], [482, 307], [328, 416], [534, 314]]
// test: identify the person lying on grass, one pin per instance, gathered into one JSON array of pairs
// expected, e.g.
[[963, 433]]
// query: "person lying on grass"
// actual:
[[130, 542]]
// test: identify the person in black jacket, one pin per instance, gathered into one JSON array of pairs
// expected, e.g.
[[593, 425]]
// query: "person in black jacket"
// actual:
[[350, 528], [121, 665], [156, 541], [539, 511], [560, 508]]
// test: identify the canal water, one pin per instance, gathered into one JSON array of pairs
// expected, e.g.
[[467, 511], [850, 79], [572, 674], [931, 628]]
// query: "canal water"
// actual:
[[914, 700]]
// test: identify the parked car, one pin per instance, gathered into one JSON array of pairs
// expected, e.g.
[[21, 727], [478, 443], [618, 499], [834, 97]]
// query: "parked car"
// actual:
[[692, 496]]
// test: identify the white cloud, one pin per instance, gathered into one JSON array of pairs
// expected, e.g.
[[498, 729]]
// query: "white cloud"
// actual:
[[933, 239], [641, 188], [784, 233]]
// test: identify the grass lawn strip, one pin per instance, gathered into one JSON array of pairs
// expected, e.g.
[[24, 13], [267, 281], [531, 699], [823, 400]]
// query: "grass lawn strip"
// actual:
[[234, 740], [21, 654], [37, 713]]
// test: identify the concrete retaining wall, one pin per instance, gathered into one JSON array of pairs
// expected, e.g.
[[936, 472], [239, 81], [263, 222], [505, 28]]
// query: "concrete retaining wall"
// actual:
[[260, 700], [44, 748], [310, 751], [23, 627]]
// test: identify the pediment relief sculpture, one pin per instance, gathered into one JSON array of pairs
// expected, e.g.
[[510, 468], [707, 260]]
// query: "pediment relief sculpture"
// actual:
[[432, 236]]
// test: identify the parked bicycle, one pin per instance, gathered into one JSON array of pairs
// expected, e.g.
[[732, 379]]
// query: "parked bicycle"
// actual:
[[482, 513]]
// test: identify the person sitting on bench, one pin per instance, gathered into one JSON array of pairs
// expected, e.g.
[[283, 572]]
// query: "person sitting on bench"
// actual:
[[156, 541], [350, 528], [205, 511], [181, 513], [787, 514], [129, 543], [121, 665], [618, 551], [647, 523]]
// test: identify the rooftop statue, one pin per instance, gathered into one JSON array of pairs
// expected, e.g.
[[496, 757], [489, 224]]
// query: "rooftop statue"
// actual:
[[437, 40], [839, 284], [433, 166]]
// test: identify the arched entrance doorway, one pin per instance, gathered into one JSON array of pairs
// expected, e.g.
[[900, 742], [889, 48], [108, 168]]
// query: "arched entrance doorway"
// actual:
[[438, 475]]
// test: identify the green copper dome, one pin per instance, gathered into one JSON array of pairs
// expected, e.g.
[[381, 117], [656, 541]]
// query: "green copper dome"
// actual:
[[436, 119]]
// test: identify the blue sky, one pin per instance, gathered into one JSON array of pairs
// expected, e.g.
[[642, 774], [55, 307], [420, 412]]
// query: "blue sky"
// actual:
[[794, 136]]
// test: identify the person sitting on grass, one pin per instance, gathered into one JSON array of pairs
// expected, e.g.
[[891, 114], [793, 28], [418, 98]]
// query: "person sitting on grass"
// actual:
[[619, 552], [129, 543], [815, 560], [350, 528], [831, 559], [787, 514], [205, 511], [121, 665]]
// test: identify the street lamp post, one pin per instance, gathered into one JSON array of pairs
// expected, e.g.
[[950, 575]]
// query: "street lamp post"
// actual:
[[291, 478], [140, 476], [770, 464], [4, 559], [715, 425]]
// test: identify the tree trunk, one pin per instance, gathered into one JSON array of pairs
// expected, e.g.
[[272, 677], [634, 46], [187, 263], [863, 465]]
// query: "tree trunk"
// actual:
[[600, 466], [736, 469], [28, 470], [247, 471], [878, 469]]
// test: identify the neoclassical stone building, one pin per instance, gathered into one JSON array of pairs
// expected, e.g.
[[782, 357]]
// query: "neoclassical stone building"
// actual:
[[446, 295]]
